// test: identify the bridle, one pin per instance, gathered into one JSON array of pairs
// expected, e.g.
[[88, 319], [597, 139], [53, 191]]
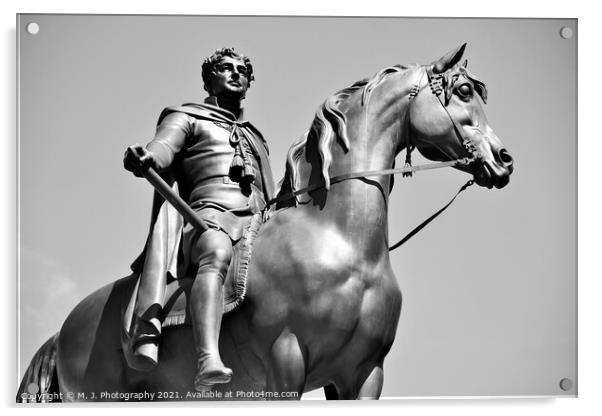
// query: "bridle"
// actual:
[[435, 82]]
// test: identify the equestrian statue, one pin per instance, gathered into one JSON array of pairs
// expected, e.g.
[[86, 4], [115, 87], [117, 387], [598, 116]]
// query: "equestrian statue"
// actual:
[[246, 292]]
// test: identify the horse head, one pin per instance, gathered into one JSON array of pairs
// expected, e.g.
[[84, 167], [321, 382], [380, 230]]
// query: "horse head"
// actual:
[[447, 121]]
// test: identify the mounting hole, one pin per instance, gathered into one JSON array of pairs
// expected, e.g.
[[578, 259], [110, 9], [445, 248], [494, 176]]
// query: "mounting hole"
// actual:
[[566, 32], [566, 384], [32, 388], [32, 28]]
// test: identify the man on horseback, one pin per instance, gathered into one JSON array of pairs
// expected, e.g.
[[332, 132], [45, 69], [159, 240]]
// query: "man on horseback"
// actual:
[[220, 163]]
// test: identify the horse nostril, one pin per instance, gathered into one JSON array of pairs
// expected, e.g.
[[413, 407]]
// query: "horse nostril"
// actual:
[[505, 157]]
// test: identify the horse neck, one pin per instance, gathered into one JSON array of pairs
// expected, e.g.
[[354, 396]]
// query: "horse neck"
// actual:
[[376, 132]]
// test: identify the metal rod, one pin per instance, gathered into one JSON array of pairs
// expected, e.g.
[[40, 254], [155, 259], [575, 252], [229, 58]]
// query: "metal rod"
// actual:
[[174, 199]]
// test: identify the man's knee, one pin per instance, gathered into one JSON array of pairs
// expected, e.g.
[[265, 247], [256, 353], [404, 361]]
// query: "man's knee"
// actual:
[[215, 261], [221, 255], [213, 250]]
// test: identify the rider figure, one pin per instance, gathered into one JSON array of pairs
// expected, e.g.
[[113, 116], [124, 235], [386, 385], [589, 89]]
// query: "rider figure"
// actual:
[[221, 165]]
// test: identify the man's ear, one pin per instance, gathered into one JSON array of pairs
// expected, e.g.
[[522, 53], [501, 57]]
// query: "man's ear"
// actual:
[[211, 78]]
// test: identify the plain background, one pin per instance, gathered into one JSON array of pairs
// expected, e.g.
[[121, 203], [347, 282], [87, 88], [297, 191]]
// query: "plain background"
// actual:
[[496, 124]]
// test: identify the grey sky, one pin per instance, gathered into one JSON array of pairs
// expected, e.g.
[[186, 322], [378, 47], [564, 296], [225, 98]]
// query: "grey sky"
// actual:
[[489, 288]]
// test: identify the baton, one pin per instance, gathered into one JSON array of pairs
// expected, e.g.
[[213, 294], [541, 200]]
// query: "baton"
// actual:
[[174, 199]]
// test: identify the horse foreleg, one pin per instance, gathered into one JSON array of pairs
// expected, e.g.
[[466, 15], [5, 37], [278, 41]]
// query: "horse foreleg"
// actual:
[[355, 387], [330, 392], [372, 386], [286, 368]]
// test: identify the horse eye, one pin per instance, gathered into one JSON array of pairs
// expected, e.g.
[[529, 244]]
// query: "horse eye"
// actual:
[[465, 90]]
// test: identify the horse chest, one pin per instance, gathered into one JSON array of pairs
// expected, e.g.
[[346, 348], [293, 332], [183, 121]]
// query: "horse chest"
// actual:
[[357, 301], [356, 320]]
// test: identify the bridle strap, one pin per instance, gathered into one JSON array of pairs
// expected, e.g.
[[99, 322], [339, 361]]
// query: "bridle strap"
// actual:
[[466, 142], [431, 218]]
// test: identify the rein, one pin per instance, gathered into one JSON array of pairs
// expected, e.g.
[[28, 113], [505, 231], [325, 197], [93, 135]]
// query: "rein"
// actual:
[[435, 81], [405, 171], [356, 175]]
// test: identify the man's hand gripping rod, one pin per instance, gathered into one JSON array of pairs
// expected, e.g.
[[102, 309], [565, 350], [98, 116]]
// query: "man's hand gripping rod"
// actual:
[[174, 199]]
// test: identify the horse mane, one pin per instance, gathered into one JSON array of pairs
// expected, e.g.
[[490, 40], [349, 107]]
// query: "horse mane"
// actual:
[[329, 124]]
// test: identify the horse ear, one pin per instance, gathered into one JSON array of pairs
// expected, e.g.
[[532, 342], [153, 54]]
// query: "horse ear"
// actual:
[[449, 60]]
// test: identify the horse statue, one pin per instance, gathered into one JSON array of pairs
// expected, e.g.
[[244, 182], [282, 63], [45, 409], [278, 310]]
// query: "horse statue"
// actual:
[[322, 302]]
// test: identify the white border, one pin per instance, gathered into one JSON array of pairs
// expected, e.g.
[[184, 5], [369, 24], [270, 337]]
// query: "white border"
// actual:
[[590, 348]]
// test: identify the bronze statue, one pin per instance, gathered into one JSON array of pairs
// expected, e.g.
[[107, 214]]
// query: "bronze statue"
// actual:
[[221, 165], [322, 302]]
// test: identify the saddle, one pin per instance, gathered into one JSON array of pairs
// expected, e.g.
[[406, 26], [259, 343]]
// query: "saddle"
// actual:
[[164, 298]]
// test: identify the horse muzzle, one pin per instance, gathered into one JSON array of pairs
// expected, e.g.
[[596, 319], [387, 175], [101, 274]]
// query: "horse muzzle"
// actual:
[[494, 171]]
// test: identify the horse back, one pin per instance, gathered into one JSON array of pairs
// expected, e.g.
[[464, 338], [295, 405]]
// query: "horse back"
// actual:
[[89, 342]]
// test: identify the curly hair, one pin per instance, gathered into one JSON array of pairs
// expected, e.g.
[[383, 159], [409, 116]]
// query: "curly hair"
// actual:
[[210, 63]]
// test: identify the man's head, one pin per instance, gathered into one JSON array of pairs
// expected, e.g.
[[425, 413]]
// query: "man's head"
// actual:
[[227, 74]]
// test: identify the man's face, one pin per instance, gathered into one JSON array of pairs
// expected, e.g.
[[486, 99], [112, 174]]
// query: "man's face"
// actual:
[[229, 78]]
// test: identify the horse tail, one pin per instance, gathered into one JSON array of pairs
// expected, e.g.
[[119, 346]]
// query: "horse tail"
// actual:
[[40, 384]]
